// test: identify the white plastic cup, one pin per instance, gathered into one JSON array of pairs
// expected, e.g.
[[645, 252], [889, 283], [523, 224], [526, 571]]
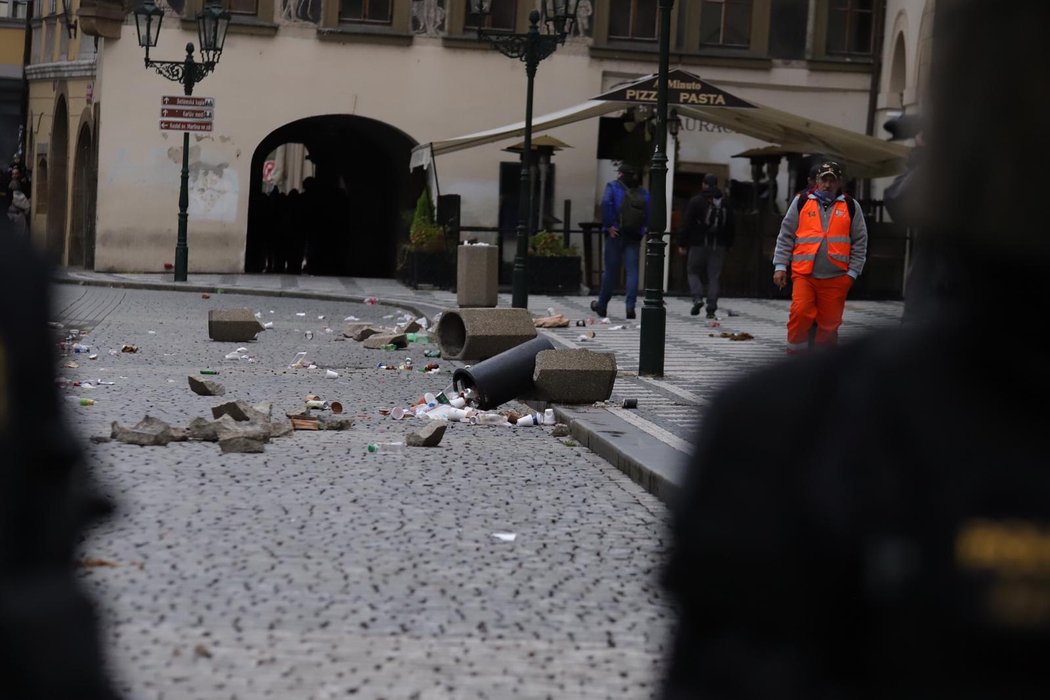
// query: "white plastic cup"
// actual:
[[331, 374], [430, 398], [456, 413], [527, 421], [397, 413], [548, 416], [458, 402]]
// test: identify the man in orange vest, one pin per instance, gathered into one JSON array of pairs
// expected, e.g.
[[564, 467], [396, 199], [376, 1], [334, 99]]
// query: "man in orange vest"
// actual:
[[825, 241]]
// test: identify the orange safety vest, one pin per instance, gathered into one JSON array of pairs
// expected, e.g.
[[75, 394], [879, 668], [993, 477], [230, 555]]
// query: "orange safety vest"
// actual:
[[810, 233]]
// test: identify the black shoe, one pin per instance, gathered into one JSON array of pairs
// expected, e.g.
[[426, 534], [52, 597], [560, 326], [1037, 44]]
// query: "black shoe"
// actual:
[[711, 314], [631, 314], [597, 309], [697, 305]]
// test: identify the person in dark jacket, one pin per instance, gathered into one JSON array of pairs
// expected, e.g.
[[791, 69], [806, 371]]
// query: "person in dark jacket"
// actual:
[[874, 521], [706, 237], [50, 641]]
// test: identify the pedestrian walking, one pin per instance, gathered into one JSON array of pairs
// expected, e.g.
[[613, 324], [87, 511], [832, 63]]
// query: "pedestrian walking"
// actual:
[[824, 239], [888, 537], [706, 237], [625, 221]]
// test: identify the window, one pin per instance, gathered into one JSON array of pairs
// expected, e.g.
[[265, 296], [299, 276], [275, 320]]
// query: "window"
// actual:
[[243, 7], [365, 11], [20, 9], [632, 19], [501, 16], [850, 26], [725, 23]]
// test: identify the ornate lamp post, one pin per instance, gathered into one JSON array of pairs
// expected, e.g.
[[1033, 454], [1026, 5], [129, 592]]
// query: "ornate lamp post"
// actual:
[[559, 17], [654, 314], [212, 23]]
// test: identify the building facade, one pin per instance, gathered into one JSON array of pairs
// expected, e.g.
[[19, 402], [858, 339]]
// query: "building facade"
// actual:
[[333, 94]]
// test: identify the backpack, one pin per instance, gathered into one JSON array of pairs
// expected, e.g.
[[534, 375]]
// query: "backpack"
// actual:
[[715, 219], [851, 204], [632, 212]]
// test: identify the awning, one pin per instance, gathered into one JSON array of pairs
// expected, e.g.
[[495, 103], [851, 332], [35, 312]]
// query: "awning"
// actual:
[[862, 155]]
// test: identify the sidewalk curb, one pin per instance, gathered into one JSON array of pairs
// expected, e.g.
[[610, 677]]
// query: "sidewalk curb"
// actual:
[[252, 291]]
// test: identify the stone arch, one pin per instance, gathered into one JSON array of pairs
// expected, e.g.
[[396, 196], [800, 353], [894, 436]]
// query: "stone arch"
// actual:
[[356, 207], [898, 74], [58, 180]]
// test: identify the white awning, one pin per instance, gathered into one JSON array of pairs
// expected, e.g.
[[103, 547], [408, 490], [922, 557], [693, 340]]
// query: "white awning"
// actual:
[[862, 155]]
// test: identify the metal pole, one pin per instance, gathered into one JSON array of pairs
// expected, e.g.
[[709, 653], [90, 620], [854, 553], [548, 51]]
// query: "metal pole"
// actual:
[[520, 282], [182, 249], [654, 314]]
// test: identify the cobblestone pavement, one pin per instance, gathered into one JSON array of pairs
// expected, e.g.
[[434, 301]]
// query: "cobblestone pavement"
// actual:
[[317, 570]]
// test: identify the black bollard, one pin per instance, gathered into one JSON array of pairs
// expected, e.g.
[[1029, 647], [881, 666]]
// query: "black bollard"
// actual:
[[504, 376]]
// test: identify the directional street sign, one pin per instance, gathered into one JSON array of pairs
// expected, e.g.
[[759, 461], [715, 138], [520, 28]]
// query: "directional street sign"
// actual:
[[186, 113], [183, 125], [186, 101]]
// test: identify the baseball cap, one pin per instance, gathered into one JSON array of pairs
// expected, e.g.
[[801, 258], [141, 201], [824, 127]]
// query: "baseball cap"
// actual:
[[829, 168]]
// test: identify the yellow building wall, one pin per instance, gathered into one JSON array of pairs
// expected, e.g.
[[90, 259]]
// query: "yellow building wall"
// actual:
[[12, 44]]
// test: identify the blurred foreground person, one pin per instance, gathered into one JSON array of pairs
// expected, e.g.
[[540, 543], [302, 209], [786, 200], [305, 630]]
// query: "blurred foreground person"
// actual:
[[874, 521], [49, 636]]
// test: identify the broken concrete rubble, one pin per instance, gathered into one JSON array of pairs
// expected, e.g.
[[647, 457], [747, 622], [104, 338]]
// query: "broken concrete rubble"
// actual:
[[377, 341], [428, 436], [360, 331], [148, 432], [240, 411], [204, 387], [241, 443]]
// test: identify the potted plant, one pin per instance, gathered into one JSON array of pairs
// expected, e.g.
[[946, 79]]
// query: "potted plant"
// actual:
[[425, 259], [553, 268]]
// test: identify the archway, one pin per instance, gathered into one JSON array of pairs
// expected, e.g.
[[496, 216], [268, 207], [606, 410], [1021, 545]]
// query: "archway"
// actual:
[[898, 72], [82, 226], [58, 177], [355, 205]]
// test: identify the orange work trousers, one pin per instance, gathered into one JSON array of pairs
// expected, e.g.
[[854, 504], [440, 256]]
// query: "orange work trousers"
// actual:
[[816, 301]]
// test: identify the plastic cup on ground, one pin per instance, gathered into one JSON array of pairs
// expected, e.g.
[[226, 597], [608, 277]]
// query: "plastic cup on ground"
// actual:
[[331, 374], [548, 416]]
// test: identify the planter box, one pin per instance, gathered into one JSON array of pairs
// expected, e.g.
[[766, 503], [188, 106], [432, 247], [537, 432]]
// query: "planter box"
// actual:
[[426, 269], [561, 275]]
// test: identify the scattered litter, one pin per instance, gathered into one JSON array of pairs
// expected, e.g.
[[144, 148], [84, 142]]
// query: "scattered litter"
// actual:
[[320, 318], [205, 296], [351, 318], [553, 321], [208, 371], [630, 403], [616, 328], [309, 335], [548, 416], [114, 352], [714, 324], [581, 323], [605, 320], [389, 316], [72, 365], [151, 332], [300, 313], [732, 336], [297, 361], [94, 563], [78, 348], [371, 301], [505, 536], [529, 420], [299, 423], [431, 353], [82, 402], [93, 356], [102, 383], [387, 447], [330, 374], [268, 325], [201, 651], [129, 348], [585, 337], [730, 312]]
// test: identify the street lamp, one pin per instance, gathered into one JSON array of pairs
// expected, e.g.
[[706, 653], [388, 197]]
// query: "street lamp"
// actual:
[[559, 17], [654, 314], [212, 23]]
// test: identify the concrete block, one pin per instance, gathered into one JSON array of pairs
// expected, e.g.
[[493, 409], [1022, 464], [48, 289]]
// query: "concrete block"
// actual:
[[574, 376], [360, 331], [233, 325], [428, 436], [477, 334], [148, 432], [477, 276]]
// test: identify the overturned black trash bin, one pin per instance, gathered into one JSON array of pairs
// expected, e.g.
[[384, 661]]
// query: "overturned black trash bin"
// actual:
[[504, 376]]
